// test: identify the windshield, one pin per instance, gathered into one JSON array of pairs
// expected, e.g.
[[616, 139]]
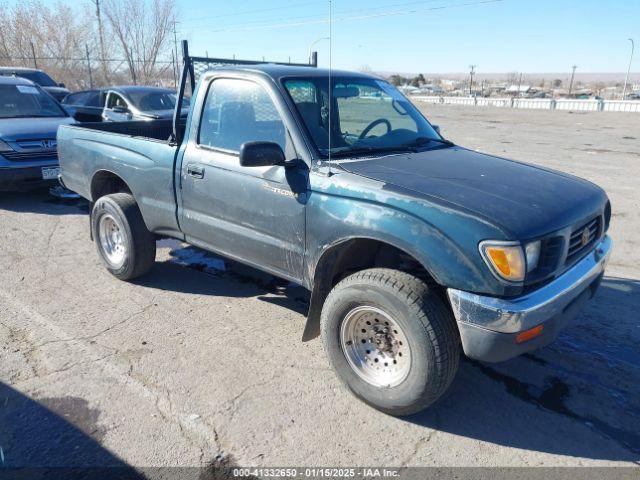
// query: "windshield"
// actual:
[[153, 100], [27, 101], [367, 115]]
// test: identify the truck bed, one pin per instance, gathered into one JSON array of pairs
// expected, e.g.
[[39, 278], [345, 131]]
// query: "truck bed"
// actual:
[[139, 153], [154, 129]]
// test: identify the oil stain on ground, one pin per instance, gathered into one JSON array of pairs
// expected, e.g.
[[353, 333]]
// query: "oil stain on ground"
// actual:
[[553, 397]]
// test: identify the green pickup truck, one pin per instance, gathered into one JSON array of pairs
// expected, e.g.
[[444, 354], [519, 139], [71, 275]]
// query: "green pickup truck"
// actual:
[[414, 249]]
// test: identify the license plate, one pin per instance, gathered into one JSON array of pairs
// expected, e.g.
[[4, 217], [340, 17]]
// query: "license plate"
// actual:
[[50, 173]]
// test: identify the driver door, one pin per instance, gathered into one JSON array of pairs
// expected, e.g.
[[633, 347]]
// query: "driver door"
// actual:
[[253, 214], [116, 109]]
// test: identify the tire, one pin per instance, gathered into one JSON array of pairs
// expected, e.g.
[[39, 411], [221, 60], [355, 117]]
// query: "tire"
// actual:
[[129, 250], [431, 344]]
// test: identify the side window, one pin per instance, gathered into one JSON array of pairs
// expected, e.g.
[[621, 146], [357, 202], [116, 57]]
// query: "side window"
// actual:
[[315, 116], [116, 100], [71, 99], [238, 111], [92, 99]]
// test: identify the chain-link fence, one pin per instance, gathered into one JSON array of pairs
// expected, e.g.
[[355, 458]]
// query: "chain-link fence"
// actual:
[[91, 71]]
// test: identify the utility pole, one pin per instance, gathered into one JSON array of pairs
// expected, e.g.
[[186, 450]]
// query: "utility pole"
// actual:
[[312, 44], [573, 72], [133, 67], [89, 66], [472, 67], [626, 78], [173, 62], [33, 53], [176, 72], [520, 85], [101, 40]]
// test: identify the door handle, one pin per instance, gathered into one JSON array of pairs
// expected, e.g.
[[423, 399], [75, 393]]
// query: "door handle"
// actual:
[[195, 171]]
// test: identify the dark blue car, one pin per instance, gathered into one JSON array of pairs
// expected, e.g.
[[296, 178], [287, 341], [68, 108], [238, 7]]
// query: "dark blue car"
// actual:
[[29, 120]]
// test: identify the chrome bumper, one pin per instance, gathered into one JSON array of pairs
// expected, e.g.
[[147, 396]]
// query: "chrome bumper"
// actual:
[[495, 322]]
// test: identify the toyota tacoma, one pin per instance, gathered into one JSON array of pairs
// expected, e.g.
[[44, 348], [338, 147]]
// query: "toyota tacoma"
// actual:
[[414, 248]]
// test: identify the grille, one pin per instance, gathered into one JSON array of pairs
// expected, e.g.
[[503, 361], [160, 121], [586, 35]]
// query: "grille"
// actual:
[[38, 144], [580, 242], [28, 156]]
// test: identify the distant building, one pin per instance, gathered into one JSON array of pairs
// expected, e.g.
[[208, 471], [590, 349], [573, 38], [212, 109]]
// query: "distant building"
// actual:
[[409, 89], [449, 85], [520, 90], [431, 90]]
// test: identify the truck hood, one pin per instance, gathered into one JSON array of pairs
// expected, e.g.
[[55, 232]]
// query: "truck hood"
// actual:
[[14, 129], [523, 200]]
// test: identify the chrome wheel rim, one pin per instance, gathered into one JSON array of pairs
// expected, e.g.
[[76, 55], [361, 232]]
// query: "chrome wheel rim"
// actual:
[[112, 241], [375, 346]]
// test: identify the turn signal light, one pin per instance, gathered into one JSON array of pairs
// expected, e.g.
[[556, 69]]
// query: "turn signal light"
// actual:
[[529, 334], [506, 259]]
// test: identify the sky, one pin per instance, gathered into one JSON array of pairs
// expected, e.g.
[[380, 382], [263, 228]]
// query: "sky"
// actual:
[[422, 36], [426, 36]]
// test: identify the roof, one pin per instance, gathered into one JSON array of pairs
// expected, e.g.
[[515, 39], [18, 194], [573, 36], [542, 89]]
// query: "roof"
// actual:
[[19, 69], [279, 71], [15, 81], [137, 88]]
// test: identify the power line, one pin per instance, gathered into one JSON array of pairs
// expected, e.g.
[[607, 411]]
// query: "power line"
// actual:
[[343, 12], [81, 59], [355, 17], [246, 12]]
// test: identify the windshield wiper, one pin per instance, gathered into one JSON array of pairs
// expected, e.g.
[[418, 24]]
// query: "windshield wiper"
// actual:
[[361, 150], [420, 141]]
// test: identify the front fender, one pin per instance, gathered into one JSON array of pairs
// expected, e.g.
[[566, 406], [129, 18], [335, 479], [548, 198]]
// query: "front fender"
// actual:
[[443, 240]]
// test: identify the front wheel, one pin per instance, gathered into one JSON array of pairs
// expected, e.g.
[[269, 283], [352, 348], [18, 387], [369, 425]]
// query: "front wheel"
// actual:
[[390, 339], [126, 246]]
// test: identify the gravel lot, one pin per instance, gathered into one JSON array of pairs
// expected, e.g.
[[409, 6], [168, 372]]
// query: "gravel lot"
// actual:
[[202, 358]]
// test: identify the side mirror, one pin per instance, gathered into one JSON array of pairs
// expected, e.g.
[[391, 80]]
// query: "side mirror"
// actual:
[[436, 128], [261, 154], [62, 85]]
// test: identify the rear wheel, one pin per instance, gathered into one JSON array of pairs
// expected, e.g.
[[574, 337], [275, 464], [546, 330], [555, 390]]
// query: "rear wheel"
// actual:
[[390, 339], [125, 245]]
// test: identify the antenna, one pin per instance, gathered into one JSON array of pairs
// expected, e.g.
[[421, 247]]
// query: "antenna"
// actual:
[[330, 95]]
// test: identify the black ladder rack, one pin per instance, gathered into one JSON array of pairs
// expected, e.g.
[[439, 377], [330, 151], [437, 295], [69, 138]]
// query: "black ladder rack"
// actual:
[[193, 66]]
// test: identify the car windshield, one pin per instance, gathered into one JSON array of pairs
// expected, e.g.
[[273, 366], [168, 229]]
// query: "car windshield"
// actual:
[[36, 76], [19, 101], [148, 101], [367, 115]]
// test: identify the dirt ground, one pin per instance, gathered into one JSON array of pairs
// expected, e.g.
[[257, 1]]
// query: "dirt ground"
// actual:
[[202, 358]]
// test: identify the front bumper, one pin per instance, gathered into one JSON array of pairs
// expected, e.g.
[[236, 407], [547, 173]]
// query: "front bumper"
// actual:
[[23, 178], [489, 325]]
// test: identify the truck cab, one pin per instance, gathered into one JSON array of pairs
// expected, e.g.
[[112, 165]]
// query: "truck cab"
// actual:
[[414, 249]]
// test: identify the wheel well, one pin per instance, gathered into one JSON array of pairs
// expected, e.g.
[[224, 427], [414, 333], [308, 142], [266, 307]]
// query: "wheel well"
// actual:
[[105, 183], [360, 254], [350, 257]]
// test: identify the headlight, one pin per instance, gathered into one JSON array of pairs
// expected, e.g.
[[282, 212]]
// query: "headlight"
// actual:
[[4, 147], [506, 259], [532, 252]]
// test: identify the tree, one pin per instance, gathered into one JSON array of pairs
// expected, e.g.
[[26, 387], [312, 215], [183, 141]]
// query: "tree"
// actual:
[[557, 83], [397, 80], [55, 35], [418, 80], [142, 28]]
